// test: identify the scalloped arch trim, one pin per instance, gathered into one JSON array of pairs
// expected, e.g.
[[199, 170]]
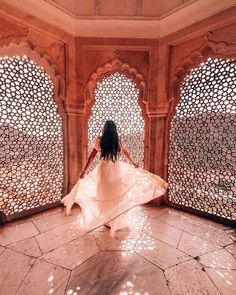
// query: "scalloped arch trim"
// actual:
[[24, 48], [209, 49], [115, 65]]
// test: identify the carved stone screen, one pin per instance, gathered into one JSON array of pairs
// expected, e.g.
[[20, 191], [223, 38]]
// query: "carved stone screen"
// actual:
[[202, 143], [116, 98], [31, 150]]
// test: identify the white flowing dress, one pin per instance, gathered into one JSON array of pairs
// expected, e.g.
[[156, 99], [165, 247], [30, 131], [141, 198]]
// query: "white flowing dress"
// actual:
[[108, 192]]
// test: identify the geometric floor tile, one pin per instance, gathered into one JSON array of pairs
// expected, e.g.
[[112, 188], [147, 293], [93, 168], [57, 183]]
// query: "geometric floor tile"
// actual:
[[112, 273], [189, 278], [28, 246], [199, 229], [159, 253], [138, 219], [225, 280], [195, 219], [13, 233], [163, 231], [40, 215], [13, 267], [44, 278], [122, 240], [232, 233], [51, 221], [161, 250], [218, 259], [46, 213], [195, 246], [232, 249], [59, 236], [153, 212], [211, 222], [73, 253]]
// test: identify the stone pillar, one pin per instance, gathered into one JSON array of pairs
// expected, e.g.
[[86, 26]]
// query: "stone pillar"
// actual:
[[75, 147]]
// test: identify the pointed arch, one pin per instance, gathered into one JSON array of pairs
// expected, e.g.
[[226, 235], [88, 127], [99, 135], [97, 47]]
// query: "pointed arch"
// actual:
[[212, 49], [209, 49], [26, 48], [115, 65], [111, 67], [26, 51]]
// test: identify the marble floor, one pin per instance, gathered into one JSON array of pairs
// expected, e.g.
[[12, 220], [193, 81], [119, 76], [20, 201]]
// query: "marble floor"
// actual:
[[164, 251]]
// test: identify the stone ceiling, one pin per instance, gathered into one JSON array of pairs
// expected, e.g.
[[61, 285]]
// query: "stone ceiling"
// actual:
[[119, 18], [121, 9]]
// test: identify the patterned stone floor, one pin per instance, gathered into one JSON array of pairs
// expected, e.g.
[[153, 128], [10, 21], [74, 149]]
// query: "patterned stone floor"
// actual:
[[164, 251]]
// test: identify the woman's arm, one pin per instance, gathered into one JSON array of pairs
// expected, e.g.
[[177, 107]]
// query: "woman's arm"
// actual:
[[127, 155], [89, 162]]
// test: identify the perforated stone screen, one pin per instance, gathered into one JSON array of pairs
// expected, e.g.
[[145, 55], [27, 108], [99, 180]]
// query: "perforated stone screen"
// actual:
[[202, 142], [116, 98], [31, 140]]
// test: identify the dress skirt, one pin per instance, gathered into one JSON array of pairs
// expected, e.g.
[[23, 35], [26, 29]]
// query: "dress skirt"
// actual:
[[107, 193]]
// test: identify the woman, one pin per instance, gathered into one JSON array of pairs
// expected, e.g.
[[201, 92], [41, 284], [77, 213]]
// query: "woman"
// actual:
[[107, 193]]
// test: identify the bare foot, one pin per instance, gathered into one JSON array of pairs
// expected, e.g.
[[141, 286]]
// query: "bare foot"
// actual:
[[68, 211]]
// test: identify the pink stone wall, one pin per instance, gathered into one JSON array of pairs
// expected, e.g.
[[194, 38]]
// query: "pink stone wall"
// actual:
[[75, 59]]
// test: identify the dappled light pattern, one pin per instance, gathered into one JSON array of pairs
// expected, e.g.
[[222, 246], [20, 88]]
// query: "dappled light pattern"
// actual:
[[220, 259], [138, 219], [122, 240], [147, 243], [226, 277], [202, 140], [167, 252], [116, 98], [31, 152]]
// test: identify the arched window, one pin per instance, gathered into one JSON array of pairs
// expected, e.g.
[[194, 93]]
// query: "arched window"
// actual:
[[202, 140], [116, 98], [31, 152]]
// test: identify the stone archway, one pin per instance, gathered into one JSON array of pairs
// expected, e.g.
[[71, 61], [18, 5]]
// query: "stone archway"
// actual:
[[102, 93], [200, 128], [33, 133]]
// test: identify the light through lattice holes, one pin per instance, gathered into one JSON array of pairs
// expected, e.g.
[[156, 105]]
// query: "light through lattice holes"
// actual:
[[116, 98], [31, 151], [203, 135]]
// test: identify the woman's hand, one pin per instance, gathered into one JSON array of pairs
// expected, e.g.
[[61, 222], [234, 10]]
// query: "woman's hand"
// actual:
[[135, 165], [90, 160], [127, 155], [82, 174]]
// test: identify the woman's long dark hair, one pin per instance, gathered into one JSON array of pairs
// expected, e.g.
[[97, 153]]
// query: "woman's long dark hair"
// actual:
[[109, 142]]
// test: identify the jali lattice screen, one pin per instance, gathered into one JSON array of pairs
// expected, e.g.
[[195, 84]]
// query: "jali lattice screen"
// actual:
[[202, 161], [116, 98], [31, 150]]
